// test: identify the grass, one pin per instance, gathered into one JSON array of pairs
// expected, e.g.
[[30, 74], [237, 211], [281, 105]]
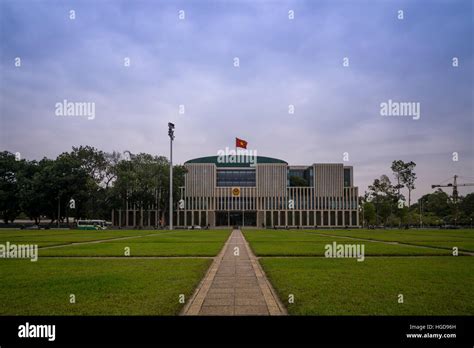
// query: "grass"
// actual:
[[101, 287], [433, 283], [122, 286], [137, 249], [430, 286], [461, 245], [61, 237], [312, 243], [177, 243], [306, 242], [436, 283], [318, 249], [462, 238]]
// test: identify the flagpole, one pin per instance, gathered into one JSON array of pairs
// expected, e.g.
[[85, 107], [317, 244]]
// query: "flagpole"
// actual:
[[171, 135]]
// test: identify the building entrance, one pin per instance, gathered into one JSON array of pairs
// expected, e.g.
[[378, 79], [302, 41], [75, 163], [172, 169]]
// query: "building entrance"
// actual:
[[236, 218]]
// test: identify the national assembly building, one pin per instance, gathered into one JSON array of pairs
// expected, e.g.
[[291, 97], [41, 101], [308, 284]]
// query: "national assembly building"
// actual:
[[266, 192]]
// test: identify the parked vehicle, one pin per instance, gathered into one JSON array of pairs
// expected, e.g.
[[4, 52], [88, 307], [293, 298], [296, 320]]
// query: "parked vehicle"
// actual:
[[195, 228], [92, 224]]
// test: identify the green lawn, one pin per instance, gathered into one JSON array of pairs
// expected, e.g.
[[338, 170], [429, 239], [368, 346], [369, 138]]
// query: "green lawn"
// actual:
[[311, 242], [435, 284], [105, 286], [101, 287], [462, 238], [59, 237], [137, 249], [430, 286], [461, 245], [176, 243]]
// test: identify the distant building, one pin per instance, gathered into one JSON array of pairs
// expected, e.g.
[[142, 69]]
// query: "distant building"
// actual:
[[223, 193]]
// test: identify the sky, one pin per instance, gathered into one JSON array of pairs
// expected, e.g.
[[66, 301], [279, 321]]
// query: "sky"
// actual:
[[299, 61]]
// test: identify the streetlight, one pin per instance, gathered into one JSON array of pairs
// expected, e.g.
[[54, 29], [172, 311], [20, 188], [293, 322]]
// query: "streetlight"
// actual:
[[171, 135]]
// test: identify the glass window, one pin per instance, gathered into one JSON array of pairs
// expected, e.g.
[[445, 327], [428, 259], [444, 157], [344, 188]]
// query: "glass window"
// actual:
[[347, 177], [236, 177]]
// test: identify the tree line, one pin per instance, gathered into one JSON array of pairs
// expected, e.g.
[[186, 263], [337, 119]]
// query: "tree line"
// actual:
[[98, 182], [85, 183], [385, 203]]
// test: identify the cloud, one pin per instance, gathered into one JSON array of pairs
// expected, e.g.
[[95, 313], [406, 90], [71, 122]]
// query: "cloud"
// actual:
[[282, 62]]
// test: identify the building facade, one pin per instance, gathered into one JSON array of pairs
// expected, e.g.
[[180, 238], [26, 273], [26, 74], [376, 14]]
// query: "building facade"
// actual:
[[266, 193]]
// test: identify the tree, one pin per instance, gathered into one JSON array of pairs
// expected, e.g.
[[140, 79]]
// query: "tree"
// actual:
[[398, 167], [91, 160], [31, 194], [95, 199], [408, 179], [9, 188], [437, 203], [110, 173], [384, 196], [405, 176], [466, 204], [144, 181], [61, 179], [369, 213]]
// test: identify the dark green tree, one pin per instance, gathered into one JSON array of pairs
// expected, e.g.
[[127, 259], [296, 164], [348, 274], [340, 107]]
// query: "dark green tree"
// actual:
[[9, 186]]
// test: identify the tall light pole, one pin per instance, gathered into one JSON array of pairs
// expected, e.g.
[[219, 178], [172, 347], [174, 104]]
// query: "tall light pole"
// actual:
[[171, 135]]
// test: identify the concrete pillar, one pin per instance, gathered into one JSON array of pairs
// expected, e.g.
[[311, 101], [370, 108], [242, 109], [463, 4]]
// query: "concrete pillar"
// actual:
[[260, 218], [211, 218]]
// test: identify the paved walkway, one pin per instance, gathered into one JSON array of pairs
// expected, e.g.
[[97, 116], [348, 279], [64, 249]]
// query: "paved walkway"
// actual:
[[235, 285]]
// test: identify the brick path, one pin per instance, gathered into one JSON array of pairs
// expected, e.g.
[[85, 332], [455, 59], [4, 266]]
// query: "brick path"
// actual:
[[235, 285]]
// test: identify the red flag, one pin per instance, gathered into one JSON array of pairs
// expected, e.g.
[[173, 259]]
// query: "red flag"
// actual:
[[240, 143]]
